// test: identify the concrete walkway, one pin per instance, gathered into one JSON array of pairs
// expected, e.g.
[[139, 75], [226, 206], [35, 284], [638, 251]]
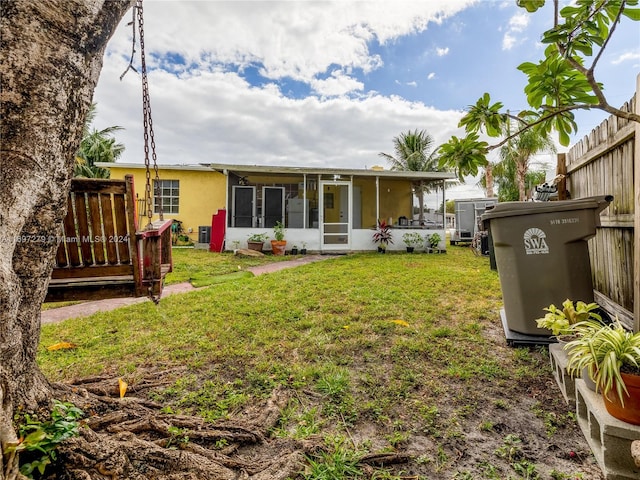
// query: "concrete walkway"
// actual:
[[85, 309]]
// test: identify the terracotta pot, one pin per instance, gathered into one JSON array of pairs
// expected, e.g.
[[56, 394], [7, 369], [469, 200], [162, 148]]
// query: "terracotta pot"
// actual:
[[278, 246], [630, 413]]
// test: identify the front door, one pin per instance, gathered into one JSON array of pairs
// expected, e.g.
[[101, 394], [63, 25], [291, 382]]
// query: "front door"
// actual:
[[335, 224]]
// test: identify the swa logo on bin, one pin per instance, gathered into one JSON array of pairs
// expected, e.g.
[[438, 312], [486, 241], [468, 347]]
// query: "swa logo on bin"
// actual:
[[535, 243]]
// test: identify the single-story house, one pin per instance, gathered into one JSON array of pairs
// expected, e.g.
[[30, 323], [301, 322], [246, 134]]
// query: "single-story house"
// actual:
[[322, 209]]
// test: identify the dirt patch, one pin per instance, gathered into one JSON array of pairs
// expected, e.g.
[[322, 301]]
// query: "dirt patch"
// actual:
[[484, 430]]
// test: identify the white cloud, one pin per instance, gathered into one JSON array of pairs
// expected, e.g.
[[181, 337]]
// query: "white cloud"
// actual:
[[508, 41], [626, 57], [412, 84], [518, 23], [297, 39], [336, 85], [219, 117], [431, 76], [441, 52]]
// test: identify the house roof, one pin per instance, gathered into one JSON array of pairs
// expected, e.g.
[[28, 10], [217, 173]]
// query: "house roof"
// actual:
[[196, 167], [262, 169]]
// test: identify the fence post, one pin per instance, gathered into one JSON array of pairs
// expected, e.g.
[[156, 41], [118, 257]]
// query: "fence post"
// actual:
[[561, 169], [636, 210]]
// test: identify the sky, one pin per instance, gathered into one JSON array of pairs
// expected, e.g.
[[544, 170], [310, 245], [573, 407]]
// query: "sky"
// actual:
[[328, 84]]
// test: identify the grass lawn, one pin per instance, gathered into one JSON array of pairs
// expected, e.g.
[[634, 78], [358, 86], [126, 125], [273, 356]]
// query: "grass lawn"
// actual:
[[385, 353], [200, 267]]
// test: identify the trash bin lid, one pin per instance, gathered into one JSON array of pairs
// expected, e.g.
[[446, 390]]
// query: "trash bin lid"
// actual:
[[512, 209]]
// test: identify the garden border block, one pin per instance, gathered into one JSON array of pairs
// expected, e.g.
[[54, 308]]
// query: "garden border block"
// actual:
[[609, 438]]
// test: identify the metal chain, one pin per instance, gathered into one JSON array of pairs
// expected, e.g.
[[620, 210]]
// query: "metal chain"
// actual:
[[149, 139]]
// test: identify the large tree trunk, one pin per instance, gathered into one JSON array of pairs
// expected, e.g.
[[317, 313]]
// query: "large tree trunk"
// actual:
[[50, 60]]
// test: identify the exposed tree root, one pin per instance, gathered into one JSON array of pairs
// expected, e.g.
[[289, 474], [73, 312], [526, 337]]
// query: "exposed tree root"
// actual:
[[130, 439]]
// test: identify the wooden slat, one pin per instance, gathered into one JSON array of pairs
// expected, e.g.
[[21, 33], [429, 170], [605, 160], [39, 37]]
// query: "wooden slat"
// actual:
[[61, 253], [70, 233], [615, 310], [110, 238], [105, 280], [122, 232], [133, 238], [92, 272], [636, 239], [151, 266], [96, 228], [116, 288], [98, 186], [166, 258], [83, 238]]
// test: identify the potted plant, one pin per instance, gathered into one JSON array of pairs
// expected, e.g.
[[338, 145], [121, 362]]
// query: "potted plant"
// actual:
[[279, 244], [562, 322], [433, 240], [412, 240], [382, 236], [294, 250], [256, 241], [611, 353], [303, 250]]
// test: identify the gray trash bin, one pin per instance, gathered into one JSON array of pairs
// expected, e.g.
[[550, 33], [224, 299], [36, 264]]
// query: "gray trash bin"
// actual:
[[542, 255]]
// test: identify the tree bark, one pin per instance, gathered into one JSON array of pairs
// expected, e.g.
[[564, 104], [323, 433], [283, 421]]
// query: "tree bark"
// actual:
[[521, 175], [50, 59], [488, 177]]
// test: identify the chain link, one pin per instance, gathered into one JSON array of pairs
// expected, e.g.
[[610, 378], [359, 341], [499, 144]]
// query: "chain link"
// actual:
[[149, 139]]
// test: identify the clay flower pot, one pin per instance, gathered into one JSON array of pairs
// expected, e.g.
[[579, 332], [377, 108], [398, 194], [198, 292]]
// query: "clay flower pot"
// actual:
[[278, 246], [630, 413]]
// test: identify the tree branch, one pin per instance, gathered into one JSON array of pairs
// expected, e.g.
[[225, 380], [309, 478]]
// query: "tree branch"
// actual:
[[606, 40]]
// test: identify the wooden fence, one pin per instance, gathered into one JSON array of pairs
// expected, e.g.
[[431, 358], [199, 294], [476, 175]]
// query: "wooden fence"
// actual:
[[603, 163]]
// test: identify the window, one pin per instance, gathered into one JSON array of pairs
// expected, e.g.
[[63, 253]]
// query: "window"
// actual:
[[170, 194]]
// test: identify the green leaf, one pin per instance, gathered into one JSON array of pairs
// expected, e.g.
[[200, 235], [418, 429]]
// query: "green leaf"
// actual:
[[484, 116], [35, 437], [632, 13], [531, 5], [465, 155]]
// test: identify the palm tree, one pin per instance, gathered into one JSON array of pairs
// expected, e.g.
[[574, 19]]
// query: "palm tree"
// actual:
[[96, 146], [504, 176], [518, 151], [413, 152]]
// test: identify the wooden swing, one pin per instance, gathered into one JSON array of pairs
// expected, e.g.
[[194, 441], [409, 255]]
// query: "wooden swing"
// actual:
[[101, 253]]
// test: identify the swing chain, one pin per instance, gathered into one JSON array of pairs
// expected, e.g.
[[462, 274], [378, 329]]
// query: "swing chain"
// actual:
[[149, 139]]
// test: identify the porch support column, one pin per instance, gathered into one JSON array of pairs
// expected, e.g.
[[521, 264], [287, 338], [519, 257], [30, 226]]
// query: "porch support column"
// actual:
[[225, 172], [377, 199], [444, 209], [304, 203], [350, 213]]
